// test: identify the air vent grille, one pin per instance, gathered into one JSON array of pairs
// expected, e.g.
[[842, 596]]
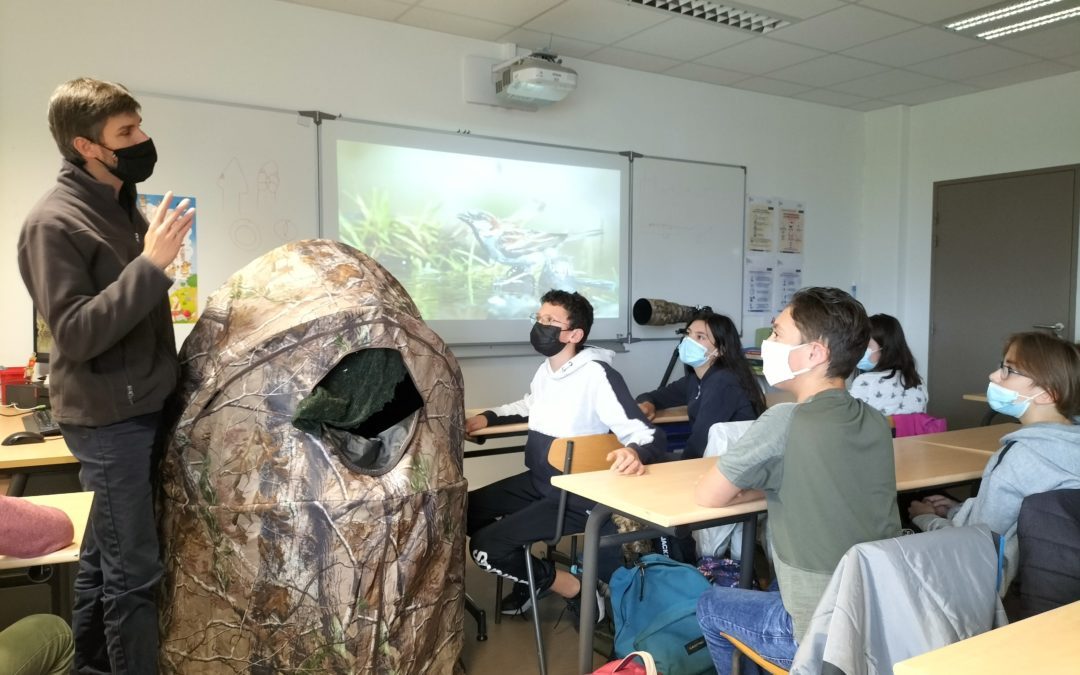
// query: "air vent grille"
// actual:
[[724, 15]]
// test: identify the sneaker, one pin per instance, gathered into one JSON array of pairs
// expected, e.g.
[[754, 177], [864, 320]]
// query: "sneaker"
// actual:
[[574, 605], [517, 601]]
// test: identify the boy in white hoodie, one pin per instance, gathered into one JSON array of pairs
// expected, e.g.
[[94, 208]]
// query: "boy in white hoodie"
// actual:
[[575, 392], [1038, 383]]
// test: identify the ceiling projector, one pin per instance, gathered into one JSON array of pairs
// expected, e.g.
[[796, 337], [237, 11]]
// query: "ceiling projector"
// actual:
[[537, 79]]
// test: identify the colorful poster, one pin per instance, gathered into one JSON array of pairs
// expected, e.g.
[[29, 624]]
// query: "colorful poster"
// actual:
[[761, 225], [184, 292], [791, 230]]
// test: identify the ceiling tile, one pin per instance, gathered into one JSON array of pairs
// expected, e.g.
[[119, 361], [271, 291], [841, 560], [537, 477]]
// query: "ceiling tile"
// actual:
[[799, 9], [1032, 71], [454, 24], [913, 46], [937, 93], [759, 56], [929, 11], [636, 60], [972, 63], [872, 104], [700, 73], [1050, 43], [602, 21], [830, 69], [563, 46], [843, 28], [510, 12], [383, 10], [829, 97], [887, 84], [684, 39], [767, 86]]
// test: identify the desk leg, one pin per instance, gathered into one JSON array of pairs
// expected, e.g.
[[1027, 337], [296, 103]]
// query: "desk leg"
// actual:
[[17, 486], [749, 545], [599, 515]]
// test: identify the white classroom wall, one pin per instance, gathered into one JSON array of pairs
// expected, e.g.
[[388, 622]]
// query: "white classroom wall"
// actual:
[[1025, 126]]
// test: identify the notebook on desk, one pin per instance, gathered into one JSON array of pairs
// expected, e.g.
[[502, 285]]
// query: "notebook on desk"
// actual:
[[42, 422]]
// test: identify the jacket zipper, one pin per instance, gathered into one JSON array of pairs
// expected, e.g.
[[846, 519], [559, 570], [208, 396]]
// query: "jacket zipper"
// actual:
[[131, 395]]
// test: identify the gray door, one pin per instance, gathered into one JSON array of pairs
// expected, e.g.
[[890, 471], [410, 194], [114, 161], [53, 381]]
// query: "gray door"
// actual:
[[1003, 261]]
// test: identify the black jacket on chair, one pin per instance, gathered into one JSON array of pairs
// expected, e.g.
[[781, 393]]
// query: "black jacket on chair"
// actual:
[[1049, 534]]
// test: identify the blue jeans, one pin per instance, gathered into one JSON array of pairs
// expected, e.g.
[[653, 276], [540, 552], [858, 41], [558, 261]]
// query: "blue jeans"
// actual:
[[115, 620], [755, 618]]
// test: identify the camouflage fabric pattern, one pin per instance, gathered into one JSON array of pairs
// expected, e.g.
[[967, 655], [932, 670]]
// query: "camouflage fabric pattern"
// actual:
[[278, 558], [653, 312]]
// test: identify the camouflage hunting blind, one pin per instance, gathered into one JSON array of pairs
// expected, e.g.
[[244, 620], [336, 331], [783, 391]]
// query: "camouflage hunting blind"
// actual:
[[313, 500]]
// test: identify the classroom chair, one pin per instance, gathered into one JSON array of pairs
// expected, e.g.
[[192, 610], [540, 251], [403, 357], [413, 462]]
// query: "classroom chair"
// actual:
[[1049, 540], [888, 601], [576, 454]]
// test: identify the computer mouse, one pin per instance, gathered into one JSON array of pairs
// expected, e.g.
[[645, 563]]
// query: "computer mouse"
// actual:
[[23, 437]]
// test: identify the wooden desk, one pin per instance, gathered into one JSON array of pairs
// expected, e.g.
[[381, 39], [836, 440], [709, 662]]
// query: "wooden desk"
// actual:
[[77, 506], [663, 416], [983, 439], [664, 500], [975, 397], [57, 569], [1045, 643], [20, 460]]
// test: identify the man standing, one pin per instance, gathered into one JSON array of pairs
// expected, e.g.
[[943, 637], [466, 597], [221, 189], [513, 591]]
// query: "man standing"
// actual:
[[95, 270]]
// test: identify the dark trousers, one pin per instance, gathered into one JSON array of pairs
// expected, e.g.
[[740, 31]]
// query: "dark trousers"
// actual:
[[510, 513], [115, 620]]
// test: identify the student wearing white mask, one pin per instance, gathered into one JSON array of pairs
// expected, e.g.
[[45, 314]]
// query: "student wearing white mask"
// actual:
[[1038, 383], [889, 381], [825, 465], [718, 386]]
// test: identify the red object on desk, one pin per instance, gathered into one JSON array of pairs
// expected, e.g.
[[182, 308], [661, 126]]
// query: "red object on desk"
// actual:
[[10, 376]]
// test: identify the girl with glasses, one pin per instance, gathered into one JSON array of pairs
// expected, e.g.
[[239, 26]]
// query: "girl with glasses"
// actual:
[[1038, 383]]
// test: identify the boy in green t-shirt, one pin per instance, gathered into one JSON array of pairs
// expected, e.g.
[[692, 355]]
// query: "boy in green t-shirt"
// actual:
[[840, 487]]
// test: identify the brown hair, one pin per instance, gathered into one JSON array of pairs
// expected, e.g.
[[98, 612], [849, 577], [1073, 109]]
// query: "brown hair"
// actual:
[[831, 316], [81, 107], [1052, 364]]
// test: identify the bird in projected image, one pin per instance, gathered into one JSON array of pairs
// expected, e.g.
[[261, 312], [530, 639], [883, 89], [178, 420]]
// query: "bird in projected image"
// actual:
[[516, 246]]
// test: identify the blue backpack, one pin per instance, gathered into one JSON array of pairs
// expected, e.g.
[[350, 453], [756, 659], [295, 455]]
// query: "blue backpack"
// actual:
[[655, 608]]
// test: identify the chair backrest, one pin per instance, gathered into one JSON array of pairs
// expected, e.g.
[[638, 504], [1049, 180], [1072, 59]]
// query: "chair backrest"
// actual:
[[589, 452], [1049, 536], [890, 600]]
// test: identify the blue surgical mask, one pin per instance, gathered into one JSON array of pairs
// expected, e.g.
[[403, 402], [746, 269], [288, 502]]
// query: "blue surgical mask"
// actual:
[[692, 353], [1006, 401], [865, 363]]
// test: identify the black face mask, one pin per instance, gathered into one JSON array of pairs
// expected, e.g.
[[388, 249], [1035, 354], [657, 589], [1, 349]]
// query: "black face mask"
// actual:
[[545, 339], [135, 163]]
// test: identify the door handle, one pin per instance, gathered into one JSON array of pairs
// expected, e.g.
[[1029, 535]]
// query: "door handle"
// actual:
[[1056, 327]]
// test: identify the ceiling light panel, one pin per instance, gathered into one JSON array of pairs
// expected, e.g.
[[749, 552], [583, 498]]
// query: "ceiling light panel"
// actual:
[[1015, 17]]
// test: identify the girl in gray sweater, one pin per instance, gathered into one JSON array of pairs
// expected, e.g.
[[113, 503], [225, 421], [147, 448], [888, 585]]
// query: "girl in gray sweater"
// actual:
[[1037, 382]]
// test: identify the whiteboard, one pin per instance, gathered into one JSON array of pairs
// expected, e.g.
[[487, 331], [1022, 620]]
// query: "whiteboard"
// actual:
[[252, 171], [687, 234]]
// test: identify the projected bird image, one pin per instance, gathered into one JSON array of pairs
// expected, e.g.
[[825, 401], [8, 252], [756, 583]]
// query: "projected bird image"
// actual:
[[473, 237]]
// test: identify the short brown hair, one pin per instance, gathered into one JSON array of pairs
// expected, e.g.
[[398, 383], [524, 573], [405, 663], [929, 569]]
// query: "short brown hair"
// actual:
[[831, 316], [81, 107], [1052, 364]]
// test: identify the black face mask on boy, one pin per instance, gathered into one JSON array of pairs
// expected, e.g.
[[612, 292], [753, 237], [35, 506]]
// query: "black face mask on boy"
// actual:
[[545, 339]]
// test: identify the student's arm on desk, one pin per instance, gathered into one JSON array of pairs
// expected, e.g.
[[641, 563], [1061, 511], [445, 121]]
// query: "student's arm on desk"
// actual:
[[29, 530], [670, 396], [511, 413], [714, 489]]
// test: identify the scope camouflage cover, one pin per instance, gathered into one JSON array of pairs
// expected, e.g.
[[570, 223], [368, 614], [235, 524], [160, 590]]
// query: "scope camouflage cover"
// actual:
[[282, 556]]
